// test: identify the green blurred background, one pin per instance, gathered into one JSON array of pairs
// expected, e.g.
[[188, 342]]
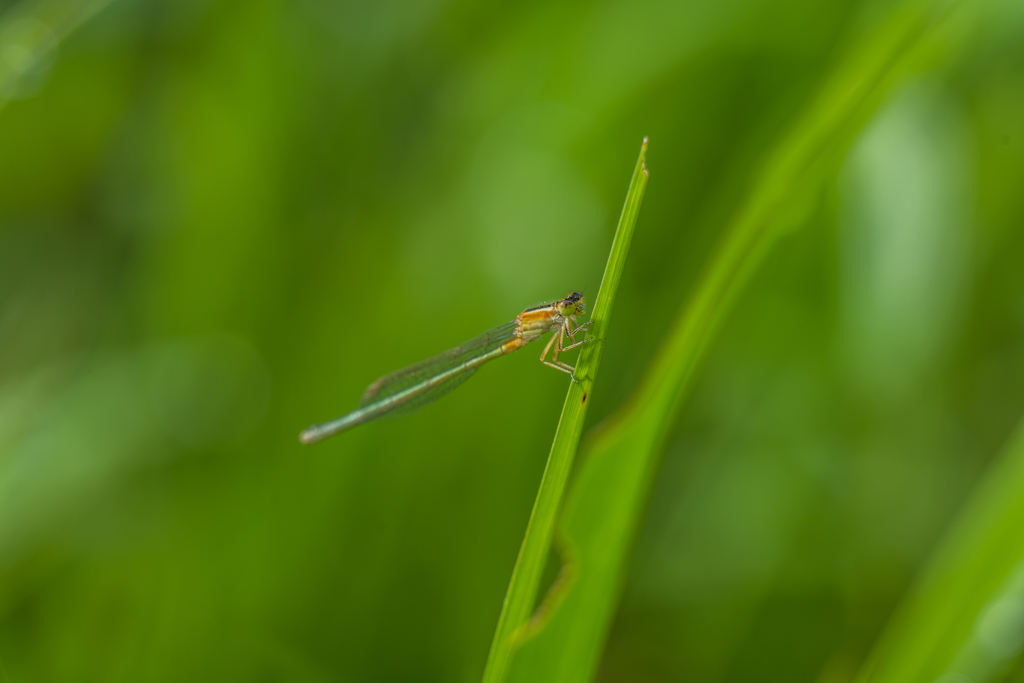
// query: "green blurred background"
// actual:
[[220, 220]]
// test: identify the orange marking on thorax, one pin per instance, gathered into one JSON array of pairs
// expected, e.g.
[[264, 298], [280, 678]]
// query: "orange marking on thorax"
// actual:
[[530, 318], [531, 325]]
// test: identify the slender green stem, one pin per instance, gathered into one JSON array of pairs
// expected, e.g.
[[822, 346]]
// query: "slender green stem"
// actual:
[[522, 589]]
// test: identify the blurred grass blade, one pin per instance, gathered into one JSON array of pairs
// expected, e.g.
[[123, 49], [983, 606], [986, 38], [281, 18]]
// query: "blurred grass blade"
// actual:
[[964, 621], [603, 510], [522, 589]]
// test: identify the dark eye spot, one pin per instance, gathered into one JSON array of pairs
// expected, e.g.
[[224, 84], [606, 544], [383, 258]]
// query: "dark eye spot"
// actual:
[[584, 398]]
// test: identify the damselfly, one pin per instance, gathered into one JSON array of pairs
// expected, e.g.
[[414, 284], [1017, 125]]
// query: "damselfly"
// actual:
[[408, 390]]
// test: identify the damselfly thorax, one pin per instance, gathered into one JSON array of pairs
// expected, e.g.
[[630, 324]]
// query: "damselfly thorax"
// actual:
[[535, 322]]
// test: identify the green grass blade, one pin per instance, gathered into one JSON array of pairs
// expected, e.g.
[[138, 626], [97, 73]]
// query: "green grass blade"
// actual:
[[964, 620], [603, 510], [522, 590]]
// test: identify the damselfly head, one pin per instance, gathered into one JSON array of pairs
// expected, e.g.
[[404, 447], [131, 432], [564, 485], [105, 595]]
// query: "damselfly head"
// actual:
[[572, 304]]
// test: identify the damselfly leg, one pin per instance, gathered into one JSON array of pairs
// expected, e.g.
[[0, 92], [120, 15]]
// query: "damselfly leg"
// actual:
[[557, 341]]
